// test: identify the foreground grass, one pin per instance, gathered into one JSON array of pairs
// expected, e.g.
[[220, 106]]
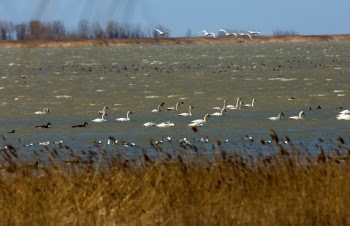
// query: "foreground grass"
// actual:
[[286, 188]]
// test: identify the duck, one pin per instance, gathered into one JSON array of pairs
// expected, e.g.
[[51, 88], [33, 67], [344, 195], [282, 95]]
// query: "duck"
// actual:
[[48, 125], [234, 107], [80, 126], [176, 107], [102, 119], [221, 113], [218, 108], [46, 110], [187, 114], [250, 105], [127, 119], [165, 124], [300, 116], [103, 111], [149, 124], [277, 118], [204, 120], [158, 109]]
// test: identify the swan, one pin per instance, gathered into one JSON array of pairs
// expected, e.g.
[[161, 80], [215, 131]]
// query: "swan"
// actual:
[[103, 111], [245, 34], [218, 108], [234, 107], [48, 125], [347, 111], [187, 114], [221, 113], [160, 32], [300, 116], [158, 109], [204, 120], [225, 32], [208, 33], [343, 117], [291, 99], [45, 143], [149, 124], [250, 105], [46, 110], [277, 118], [176, 107], [125, 119], [193, 124], [80, 126], [254, 32], [102, 119], [165, 124]]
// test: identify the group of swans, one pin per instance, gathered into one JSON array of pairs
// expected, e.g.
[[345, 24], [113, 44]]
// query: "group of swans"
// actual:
[[249, 34], [279, 117], [344, 115]]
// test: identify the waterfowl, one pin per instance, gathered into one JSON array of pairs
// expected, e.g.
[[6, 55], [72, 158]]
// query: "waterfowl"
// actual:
[[343, 116], [12, 131], [234, 107], [176, 107], [187, 114], [125, 119], [28, 145], [80, 126], [292, 98], [221, 113], [347, 111], [158, 109], [46, 110], [218, 108], [103, 111], [102, 119], [149, 124], [48, 125], [194, 124], [45, 143], [165, 124], [204, 120], [276, 118], [300, 116], [250, 105]]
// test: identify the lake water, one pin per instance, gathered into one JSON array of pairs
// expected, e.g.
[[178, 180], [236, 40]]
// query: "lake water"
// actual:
[[75, 83]]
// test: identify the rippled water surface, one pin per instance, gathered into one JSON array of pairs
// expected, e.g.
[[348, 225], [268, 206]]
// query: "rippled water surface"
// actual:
[[75, 83]]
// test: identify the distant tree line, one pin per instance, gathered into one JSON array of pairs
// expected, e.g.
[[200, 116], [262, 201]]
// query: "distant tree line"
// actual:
[[55, 30]]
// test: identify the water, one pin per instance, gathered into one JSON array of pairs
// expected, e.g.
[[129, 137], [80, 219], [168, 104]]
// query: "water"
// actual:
[[75, 83]]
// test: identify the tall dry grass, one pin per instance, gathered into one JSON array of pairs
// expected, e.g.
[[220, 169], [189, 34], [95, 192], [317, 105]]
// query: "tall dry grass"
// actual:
[[289, 187]]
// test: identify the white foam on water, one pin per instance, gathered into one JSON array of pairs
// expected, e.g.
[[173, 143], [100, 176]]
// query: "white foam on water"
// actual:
[[198, 93], [63, 96], [341, 95], [338, 91], [283, 79], [151, 97], [99, 90], [172, 96]]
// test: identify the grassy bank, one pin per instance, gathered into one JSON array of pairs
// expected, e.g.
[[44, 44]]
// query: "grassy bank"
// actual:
[[290, 187], [171, 41]]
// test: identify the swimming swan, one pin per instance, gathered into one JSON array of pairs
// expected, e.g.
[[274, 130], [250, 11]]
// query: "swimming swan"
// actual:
[[103, 111], [187, 114], [166, 124], [176, 107], [204, 120], [343, 116], [276, 118], [347, 111], [102, 119], [125, 119], [149, 124], [221, 113], [218, 108], [46, 110], [298, 117], [158, 109], [250, 105], [234, 107]]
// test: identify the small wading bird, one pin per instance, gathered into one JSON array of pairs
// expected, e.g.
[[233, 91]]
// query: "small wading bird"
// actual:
[[48, 125], [80, 126], [161, 32], [208, 33], [300, 116]]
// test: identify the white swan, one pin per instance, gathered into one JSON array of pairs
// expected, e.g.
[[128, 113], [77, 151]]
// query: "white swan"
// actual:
[[225, 32], [250, 105], [208, 33], [300, 116], [160, 32], [221, 113], [343, 117], [234, 107], [176, 107], [204, 120], [166, 124], [245, 34], [127, 119], [347, 111], [254, 32], [276, 118], [149, 124], [219, 108], [158, 109], [46, 110], [103, 111], [193, 124], [187, 114], [102, 119]]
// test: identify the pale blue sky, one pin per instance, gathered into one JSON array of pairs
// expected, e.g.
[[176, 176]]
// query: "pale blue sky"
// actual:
[[303, 16]]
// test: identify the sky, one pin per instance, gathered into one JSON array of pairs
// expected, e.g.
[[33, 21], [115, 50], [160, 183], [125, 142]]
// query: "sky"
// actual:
[[302, 16]]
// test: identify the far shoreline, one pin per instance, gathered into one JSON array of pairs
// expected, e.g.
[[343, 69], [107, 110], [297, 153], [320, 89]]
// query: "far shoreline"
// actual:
[[171, 41]]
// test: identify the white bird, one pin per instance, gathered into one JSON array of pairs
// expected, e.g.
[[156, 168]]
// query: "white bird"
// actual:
[[204, 120], [245, 34], [254, 32], [187, 114], [166, 124], [218, 108], [46, 110], [343, 117], [347, 111], [102, 119], [276, 118], [225, 32], [176, 107], [103, 111], [125, 119], [234, 107], [300, 116], [160, 32], [193, 124], [149, 124], [208, 33], [221, 113], [158, 109], [292, 98], [45, 143], [250, 105]]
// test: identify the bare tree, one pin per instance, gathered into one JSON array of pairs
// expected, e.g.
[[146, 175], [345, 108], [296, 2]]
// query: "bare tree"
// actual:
[[35, 30], [84, 29], [21, 31], [97, 31]]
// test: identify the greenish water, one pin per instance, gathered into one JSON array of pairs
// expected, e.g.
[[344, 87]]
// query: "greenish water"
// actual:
[[75, 83]]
